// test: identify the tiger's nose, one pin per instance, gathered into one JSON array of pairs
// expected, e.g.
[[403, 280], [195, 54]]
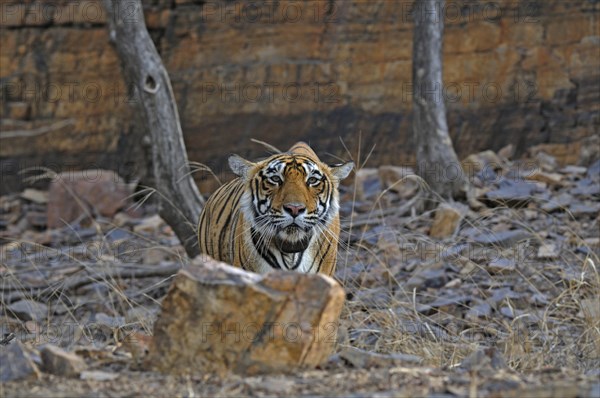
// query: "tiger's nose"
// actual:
[[295, 209]]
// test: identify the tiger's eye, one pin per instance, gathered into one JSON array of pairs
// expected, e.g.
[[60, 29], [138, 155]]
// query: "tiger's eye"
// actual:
[[312, 180], [276, 179]]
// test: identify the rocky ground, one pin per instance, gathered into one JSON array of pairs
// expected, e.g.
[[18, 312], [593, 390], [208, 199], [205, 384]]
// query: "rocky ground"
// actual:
[[498, 296]]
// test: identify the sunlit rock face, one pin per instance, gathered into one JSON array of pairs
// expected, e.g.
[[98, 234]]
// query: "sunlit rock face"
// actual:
[[522, 74]]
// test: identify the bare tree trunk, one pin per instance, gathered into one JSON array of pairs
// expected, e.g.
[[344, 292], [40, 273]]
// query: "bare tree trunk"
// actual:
[[437, 163], [179, 200]]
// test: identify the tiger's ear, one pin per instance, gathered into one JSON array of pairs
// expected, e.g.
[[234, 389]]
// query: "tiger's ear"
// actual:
[[341, 171], [240, 166]]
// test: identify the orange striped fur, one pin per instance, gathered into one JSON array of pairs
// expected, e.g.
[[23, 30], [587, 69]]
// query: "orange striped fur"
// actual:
[[279, 213]]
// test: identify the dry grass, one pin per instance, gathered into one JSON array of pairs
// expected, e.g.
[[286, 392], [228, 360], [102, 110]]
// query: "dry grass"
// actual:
[[384, 246], [562, 330]]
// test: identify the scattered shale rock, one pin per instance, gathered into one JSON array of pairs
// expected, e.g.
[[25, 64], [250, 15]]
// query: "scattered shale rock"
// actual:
[[446, 221], [367, 183], [217, 318], [587, 187], [16, 363], [155, 255], [365, 359], [98, 375], [60, 362], [501, 238], [485, 360], [590, 150], [571, 169], [548, 178], [480, 310], [594, 171], [591, 311], [547, 251], [29, 310], [507, 152], [545, 161], [399, 179], [150, 225], [482, 161], [74, 194], [375, 297], [583, 209], [511, 193], [558, 203], [434, 276], [501, 266]]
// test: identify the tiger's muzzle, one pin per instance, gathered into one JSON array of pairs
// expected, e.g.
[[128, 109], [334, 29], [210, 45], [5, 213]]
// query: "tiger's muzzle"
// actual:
[[292, 239]]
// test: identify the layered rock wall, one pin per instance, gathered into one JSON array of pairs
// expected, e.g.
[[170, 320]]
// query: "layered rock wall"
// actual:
[[515, 72]]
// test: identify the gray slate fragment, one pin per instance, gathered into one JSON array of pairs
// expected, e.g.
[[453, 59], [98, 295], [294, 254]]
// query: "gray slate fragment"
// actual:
[[582, 209], [487, 360], [512, 193], [60, 362], [16, 364], [480, 310], [503, 238], [28, 310], [362, 359]]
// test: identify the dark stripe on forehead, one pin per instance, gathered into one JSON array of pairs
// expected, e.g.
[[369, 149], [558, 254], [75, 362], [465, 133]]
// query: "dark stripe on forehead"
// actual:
[[281, 165], [291, 158], [274, 166], [303, 163]]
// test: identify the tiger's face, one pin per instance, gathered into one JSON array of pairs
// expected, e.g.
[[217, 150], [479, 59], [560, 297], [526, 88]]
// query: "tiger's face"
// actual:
[[290, 199]]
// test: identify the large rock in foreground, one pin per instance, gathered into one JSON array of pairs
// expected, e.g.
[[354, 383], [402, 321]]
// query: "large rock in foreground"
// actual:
[[217, 318]]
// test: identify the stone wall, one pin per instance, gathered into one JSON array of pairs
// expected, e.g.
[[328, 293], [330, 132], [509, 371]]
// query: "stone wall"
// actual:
[[524, 73]]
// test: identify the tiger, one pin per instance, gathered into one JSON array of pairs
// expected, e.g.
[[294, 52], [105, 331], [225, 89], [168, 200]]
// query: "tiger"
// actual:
[[281, 213]]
